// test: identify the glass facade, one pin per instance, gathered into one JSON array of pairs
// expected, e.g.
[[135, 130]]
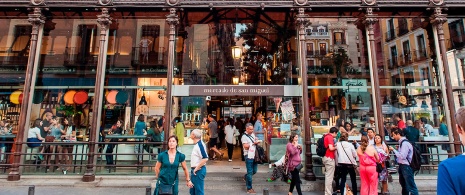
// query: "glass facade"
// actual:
[[232, 63]]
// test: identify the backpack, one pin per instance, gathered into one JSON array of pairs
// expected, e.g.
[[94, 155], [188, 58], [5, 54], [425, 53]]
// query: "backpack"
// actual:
[[320, 146], [415, 164]]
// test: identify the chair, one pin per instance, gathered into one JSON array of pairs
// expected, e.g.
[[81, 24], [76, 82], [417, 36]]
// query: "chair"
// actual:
[[431, 154]]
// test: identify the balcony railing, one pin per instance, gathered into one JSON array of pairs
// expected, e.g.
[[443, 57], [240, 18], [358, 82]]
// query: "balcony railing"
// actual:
[[407, 58], [316, 54], [390, 35], [318, 34], [142, 57]]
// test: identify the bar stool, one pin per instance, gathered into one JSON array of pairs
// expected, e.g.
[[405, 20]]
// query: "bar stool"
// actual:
[[430, 151]]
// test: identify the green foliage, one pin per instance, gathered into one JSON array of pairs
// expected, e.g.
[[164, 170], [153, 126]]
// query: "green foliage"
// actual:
[[68, 110]]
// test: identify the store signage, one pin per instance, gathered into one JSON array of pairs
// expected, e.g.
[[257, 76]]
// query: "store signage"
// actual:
[[355, 82], [62, 70], [320, 70], [252, 90], [12, 70], [153, 70]]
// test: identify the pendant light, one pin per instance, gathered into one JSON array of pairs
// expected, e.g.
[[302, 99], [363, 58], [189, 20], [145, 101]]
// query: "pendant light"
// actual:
[[331, 101], [142, 99], [387, 100], [424, 105], [359, 100]]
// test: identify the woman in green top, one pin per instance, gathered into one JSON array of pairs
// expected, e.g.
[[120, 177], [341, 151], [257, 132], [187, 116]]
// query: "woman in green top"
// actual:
[[166, 169]]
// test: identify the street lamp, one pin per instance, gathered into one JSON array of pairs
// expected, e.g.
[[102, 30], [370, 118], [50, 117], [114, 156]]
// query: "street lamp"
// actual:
[[236, 52], [235, 80]]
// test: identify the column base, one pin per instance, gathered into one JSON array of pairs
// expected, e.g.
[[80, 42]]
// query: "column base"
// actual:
[[310, 176], [88, 178], [14, 177]]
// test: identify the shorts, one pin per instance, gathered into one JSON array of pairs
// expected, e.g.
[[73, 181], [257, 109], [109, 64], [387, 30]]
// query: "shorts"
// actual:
[[213, 142]]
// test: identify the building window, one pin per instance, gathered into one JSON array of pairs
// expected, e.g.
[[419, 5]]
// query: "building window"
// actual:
[[457, 39], [390, 33], [310, 50], [322, 48], [403, 27], [338, 38]]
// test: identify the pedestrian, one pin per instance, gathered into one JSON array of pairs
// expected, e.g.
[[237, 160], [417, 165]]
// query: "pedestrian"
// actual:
[[179, 130], [279, 171], [329, 159], [115, 129], [293, 150], [368, 158], [213, 142], [383, 154], [404, 157], [249, 142], [231, 132], [139, 129], [199, 159], [240, 126], [371, 136], [166, 168], [450, 173], [346, 159], [258, 127]]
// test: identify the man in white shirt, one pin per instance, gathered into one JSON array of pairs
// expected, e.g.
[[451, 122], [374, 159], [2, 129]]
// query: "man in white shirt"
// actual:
[[371, 136], [199, 158], [249, 142]]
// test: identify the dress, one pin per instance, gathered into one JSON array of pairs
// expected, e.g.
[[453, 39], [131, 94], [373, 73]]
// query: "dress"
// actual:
[[168, 171], [383, 176], [368, 175]]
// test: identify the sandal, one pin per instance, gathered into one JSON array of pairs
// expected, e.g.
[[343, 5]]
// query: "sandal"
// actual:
[[221, 156]]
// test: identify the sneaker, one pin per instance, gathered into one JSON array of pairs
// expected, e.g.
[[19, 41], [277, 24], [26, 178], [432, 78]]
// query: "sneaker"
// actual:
[[270, 180], [251, 191], [41, 157], [230, 160], [288, 181]]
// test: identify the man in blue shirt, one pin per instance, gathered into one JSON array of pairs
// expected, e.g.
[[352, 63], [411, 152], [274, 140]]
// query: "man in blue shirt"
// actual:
[[451, 172], [404, 157]]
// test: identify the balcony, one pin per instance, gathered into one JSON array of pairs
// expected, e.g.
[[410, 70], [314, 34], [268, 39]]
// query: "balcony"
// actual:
[[74, 57], [9, 57], [393, 62], [403, 29], [390, 35], [316, 54], [148, 58], [317, 34]]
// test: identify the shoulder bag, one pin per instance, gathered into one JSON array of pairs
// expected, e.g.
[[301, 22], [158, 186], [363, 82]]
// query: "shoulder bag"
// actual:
[[167, 189]]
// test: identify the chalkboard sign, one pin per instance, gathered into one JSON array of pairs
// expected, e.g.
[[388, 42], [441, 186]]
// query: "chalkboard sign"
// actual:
[[111, 116]]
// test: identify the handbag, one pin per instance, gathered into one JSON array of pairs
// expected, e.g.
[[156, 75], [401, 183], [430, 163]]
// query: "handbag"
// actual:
[[379, 167], [49, 138], [167, 189], [299, 167]]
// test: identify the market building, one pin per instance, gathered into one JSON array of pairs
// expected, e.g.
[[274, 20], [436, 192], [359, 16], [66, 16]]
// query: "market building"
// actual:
[[303, 64]]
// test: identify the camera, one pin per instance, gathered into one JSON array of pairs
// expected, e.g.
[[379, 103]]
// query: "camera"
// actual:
[[208, 98]]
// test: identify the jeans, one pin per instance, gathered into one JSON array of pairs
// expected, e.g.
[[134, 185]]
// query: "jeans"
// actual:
[[251, 170], [329, 174], [138, 151], [109, 154], [295, 182], [198, 181], [348, 169], [406, 180]]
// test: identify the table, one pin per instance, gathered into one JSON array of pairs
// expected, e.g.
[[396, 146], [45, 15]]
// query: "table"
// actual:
[[136, 137]]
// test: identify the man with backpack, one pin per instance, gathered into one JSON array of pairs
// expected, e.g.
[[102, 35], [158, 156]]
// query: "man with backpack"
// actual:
[[328, 159], [405, 158]]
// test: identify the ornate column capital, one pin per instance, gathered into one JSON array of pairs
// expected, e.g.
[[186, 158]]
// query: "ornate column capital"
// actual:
[[104, 19], [438, 18], [369, 19], [302, 20], [36, 19], [172, 19]]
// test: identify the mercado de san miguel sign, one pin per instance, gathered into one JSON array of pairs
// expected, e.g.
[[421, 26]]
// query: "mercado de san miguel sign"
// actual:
[[267, 90]]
